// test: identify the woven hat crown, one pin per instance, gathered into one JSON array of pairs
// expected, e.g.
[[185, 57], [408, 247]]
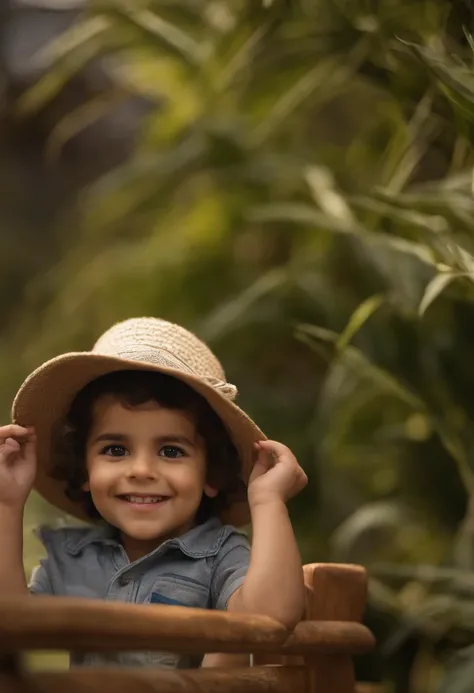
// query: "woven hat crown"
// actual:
[[158, 342]]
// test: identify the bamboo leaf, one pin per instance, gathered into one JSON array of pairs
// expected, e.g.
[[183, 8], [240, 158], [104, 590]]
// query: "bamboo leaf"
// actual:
[[303, 214], [323, 189], [231, 313], [73, 39], [305, 87], [358, 318], [241, 59], [436, 286], [383, 378], [299, 213], [57, 77], [388, 382], [166, 34], [79, 119], [456, 80]]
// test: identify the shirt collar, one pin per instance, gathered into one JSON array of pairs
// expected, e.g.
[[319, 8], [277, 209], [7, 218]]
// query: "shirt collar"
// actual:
[[201, 541]]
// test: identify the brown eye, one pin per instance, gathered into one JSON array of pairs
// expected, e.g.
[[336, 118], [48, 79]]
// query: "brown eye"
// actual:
[[172, 452], [114, 451]]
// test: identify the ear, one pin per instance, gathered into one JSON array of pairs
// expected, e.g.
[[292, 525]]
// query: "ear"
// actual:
[[210, 491], [86, 486]]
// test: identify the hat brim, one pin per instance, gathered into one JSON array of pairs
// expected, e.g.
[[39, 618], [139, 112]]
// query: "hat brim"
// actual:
[[46, 395]]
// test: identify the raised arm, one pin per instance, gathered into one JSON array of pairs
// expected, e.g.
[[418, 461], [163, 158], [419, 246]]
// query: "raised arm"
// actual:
[[274, 582], [17, 473]]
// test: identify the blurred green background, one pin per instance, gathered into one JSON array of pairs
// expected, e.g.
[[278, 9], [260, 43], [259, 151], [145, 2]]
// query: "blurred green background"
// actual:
[[293, 180]]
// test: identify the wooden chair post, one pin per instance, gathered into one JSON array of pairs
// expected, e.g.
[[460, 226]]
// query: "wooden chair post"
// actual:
[[334, 593]]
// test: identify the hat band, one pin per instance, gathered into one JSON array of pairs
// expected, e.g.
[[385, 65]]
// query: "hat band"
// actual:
[[161, 357], [226, 389], [157, 357]]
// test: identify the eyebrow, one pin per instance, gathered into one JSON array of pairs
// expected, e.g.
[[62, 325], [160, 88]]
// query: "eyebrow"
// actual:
[[182, 440]]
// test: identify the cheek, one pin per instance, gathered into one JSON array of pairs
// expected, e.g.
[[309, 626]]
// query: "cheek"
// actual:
[[100, 475], [188, 480]]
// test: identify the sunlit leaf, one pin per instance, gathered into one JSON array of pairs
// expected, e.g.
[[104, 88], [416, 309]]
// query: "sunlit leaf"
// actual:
[[406, 155], [358, 318], [410, 216], [436, 286], [455, 78], [325, 194]]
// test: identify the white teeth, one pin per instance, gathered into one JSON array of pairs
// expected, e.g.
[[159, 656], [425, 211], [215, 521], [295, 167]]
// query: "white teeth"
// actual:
[[144, 499]]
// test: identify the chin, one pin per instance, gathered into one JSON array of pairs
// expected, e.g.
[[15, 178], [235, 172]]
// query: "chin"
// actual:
[[147, 533]]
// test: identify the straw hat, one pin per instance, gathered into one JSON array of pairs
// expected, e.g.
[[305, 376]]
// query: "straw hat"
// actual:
[[143, 344]]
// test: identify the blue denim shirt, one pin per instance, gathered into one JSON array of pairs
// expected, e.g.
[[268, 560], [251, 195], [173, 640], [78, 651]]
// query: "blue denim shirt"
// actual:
[[202, 568]]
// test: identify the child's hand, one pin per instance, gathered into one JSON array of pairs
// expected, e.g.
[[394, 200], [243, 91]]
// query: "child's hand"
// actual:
[[17, 464], [276, 474]]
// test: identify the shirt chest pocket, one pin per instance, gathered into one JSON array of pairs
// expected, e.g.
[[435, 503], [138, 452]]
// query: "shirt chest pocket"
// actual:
[[178, 590]]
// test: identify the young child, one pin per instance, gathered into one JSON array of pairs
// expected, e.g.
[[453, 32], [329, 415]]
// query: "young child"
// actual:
[[140, 436]]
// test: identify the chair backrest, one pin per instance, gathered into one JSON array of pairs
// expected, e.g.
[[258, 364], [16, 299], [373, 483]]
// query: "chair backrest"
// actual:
[[315, 658]]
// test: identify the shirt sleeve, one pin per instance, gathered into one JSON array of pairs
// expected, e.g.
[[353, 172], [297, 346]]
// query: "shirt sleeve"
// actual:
[[230, 568], [52, 573], [40, 582]]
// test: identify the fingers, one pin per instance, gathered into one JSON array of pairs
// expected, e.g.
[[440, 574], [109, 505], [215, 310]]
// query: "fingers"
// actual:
[[280, 453], [10, 445], [13, 438], [30, 447], [277, 450], [302, 478], [14, 431], [263, 463]]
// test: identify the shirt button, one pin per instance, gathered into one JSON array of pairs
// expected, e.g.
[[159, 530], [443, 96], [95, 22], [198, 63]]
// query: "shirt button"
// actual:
[[124, 580]]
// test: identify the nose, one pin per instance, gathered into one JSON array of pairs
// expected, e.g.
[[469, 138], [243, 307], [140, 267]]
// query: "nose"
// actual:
[[143, 466]]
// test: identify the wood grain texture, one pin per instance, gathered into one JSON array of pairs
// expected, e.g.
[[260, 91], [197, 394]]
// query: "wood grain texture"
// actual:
[[328, 637], [95, 625], [335, 592], [339, 593], [83, 625]]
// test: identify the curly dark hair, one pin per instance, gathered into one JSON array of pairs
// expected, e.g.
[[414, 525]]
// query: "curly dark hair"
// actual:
[[134, 388]]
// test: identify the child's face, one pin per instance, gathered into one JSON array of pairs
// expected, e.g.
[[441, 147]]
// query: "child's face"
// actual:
[[147, 471]]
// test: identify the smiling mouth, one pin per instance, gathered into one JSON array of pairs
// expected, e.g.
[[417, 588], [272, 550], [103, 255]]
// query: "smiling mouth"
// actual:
[[143, 500]]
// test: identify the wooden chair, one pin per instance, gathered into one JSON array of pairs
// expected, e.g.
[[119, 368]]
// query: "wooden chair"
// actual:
[[315, 658]]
